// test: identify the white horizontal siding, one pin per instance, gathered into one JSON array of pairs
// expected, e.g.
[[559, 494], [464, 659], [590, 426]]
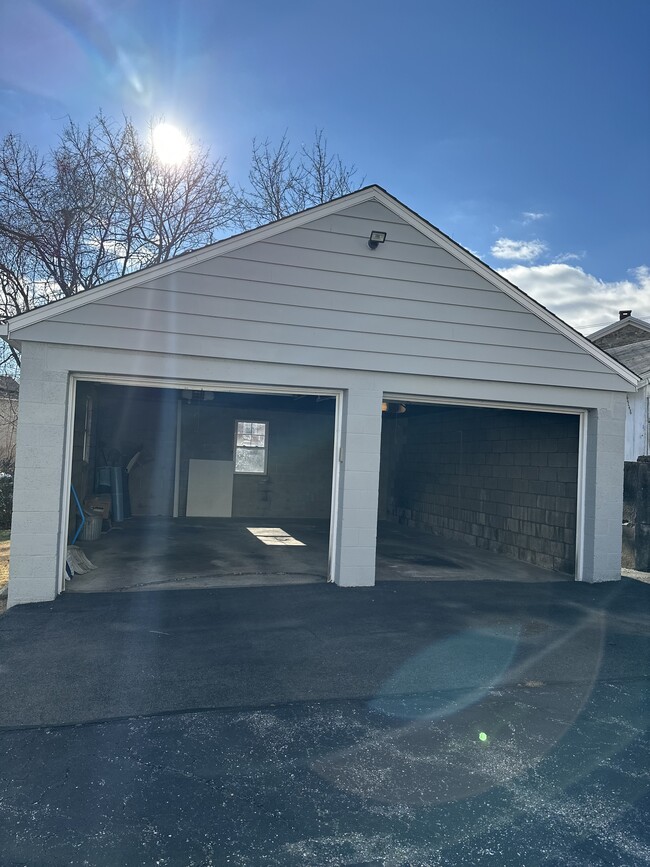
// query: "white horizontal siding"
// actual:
[[182, 288], [347, 244], [396, 321], [374, 211], [378, 266], [317, 295], [361, 340], [455, 290], [126, 339], [347, 223]]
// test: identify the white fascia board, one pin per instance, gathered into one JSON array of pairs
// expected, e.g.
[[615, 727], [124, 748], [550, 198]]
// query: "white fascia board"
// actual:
[[505, 286], [621, 323], [188, 260]]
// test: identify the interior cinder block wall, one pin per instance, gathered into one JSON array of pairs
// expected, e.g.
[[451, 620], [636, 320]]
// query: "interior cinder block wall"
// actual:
[[298, 482], [502, 480]]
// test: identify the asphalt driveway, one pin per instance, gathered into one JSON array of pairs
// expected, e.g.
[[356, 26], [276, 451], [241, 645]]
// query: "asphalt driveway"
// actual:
[[440, 723]]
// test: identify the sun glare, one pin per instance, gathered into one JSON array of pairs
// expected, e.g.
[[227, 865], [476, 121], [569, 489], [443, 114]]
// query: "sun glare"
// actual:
[[171, 146]]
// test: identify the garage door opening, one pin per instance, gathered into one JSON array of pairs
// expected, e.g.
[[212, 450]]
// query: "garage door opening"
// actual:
[[186, 488], [457, 481]]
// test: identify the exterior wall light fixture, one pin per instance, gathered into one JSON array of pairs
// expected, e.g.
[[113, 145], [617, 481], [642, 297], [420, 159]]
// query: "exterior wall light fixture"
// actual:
[[376, 238]]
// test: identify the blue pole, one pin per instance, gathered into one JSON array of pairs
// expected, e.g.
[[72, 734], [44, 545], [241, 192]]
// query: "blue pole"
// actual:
[[81, 512]]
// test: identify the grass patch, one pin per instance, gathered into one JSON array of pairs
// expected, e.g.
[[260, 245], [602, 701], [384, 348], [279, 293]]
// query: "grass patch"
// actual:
[[4, 558]]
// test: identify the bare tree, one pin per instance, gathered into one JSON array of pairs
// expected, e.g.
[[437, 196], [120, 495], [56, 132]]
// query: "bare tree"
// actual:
[[99, 206], [19, 291], [282, 181]]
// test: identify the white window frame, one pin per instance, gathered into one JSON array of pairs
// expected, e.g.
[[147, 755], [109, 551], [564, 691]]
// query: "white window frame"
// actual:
[[252, 448]]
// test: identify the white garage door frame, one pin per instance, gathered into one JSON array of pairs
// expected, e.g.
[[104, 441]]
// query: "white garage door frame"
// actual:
[[583, 420], [197, 385]]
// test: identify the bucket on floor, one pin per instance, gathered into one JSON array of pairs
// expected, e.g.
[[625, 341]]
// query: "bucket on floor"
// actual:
[[92, 529]]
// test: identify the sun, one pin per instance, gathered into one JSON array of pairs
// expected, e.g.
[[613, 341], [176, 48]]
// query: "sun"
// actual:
[[171, 146]]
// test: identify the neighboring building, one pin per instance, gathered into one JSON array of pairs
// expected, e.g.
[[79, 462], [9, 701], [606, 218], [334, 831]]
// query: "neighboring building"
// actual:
[[628, 341], [8, 422], [350, 362]]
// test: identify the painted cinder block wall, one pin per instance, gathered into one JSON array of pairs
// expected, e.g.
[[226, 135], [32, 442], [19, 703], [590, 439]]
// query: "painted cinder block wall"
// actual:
[[41, 495], [42, 491], [500, 480]]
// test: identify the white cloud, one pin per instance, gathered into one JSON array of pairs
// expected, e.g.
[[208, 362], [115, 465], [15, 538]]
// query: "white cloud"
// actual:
[[581, 299], [522, 251], [532, 216]]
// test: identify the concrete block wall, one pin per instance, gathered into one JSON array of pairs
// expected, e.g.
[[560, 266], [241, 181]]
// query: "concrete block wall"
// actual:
[[39, 494], [501, 480], [298, 482], [358, 487], [604, 453]]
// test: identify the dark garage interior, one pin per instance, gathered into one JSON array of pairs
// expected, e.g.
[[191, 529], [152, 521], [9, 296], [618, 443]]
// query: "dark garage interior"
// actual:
[[171, 480], [194, 489], [503, 481]]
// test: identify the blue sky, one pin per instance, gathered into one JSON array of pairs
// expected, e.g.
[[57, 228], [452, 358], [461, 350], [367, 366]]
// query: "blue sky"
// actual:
[[521, 129]]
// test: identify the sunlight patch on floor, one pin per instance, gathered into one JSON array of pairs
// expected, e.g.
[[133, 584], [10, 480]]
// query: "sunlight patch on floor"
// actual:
[[273, 536]]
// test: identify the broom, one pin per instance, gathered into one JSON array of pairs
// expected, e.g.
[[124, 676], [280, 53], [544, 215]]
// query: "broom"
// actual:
[[76, 562]]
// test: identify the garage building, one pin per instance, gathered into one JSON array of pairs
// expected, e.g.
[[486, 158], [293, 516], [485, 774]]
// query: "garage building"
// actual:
[[289, 390]]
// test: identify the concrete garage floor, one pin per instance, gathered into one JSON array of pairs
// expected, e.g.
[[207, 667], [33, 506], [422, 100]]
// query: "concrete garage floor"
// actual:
[[196, 553], [413, 724], [192, 553]]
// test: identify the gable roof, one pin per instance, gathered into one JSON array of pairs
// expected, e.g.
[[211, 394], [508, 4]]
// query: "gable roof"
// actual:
[[619, 325], [636, 356], [12, 328]]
